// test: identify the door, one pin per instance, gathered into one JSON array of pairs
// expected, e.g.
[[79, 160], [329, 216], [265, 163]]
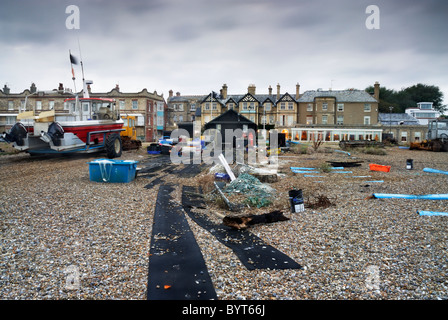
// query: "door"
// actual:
[[86, 111]]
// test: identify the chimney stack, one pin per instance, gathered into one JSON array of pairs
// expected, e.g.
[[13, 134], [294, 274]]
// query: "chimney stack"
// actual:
[[177, 94], [171, 93], [61, 87], [297, 91], [33, 88], [224, 91], [251, 89], [376, 92], [6, 90], [270, 90], [278, 91]]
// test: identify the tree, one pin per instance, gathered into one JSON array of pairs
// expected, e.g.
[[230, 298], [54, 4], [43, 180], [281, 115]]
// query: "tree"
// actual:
[[409, 97]]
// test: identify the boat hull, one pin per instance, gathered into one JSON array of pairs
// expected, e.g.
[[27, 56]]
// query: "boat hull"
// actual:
[[72, 136]]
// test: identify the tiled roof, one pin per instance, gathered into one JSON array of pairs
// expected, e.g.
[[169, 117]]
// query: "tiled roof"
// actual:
[[340, 95], [396, 118], [308, 96]]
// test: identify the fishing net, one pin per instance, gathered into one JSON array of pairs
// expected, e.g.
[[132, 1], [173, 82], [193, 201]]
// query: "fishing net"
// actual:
[[256, 193]]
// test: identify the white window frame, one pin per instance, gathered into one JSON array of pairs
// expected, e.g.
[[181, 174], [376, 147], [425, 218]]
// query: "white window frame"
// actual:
[[324, 119], [10, 105], [290, 106], [309, 119], [267, 106], [404, 136], [134, 104], [366, 120], [367, 107], [340, 120], [122, 104], [340, 107], [324, 106], [51, 104], [309, 107], [11, 119]]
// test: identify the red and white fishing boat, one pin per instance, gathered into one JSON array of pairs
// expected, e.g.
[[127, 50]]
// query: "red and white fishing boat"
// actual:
[[90, 124]]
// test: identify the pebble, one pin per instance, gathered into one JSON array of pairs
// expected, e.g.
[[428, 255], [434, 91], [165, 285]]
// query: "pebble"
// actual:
[[65, 237]]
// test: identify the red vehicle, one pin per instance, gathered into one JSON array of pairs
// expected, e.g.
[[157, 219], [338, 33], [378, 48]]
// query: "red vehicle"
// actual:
[[91, 124]]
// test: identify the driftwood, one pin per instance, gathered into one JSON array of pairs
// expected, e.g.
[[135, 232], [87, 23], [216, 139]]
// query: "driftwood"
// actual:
[[243, 222]]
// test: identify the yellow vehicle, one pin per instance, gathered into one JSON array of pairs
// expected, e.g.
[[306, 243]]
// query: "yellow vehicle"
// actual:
[[129, 135]]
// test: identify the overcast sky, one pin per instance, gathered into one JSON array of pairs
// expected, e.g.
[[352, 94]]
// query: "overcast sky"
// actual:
[[196, 46]]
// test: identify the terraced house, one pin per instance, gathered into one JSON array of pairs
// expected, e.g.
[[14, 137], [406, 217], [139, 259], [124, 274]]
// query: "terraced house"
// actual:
[[315, 114]]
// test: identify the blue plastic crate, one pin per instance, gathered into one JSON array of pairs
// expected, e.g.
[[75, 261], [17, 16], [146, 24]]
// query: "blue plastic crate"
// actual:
[[108, 170]]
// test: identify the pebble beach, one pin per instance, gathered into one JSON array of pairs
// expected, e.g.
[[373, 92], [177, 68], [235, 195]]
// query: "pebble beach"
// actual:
[[66, 237]]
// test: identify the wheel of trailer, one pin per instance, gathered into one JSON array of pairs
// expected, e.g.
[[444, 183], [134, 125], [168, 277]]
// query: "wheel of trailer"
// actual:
[[437, 146], [113, 146]]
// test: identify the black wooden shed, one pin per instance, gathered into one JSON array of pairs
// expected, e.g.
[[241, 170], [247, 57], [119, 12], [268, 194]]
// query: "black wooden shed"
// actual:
[[231, 120]]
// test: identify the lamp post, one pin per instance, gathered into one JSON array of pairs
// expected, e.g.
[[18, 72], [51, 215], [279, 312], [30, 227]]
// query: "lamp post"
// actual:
[[390, 119]]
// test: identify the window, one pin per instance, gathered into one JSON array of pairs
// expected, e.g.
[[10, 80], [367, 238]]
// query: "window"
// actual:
[[38, 105], [282, 106], [426, 106], [367, 107], [367, 120], [181, 118], [180, 107], [324, 106], [267, 106], [51, 104], [263, 119], [404, 136], [426, 115], [244, 105], [340, 120], [11, 119], [134, 104], [193, 107], [159, 121], [121, 103], [10, 105], [214, 106], [309, 107], [230, 106], [290, 106], [290, 120], [340, 107], [160, 107], [309, 119], [417, 136], [324, 119], [271, 119]]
